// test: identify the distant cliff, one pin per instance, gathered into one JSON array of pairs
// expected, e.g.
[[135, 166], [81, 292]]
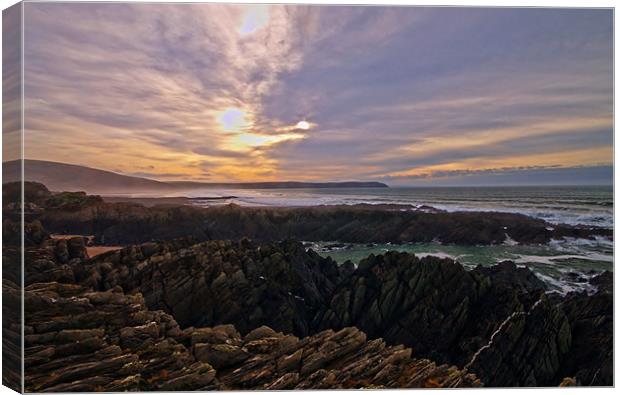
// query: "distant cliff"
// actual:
[[66, 177]]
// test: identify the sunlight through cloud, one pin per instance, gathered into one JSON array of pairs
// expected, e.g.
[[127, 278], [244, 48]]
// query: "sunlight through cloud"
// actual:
[[233, 120], [194, 87], [303, 125], [254, 18], [254, 140]]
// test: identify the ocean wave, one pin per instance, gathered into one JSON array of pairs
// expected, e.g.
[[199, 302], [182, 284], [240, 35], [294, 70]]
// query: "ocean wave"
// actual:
[[565, 265], [564, 287], [554, 259], [577, 208]]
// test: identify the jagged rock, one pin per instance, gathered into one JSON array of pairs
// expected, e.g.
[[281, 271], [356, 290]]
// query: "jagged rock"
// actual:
[[590, 360], [604, 282], [259, 333], [68, 249], [421, 303], [507, 332], [61, 250], [33, 192], [221, 334], [568, 382], [93, 341], [109, 341], [536, 340], [76, 247], [33, 232], [210, 283], [43, 265], [130, 223], [11, 330], [508, 274], [343, 359], [477, 319], [220, 355]]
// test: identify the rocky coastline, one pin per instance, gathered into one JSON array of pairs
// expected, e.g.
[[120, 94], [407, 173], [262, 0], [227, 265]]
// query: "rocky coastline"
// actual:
[[259, 313], [124, 223], [79, 340]]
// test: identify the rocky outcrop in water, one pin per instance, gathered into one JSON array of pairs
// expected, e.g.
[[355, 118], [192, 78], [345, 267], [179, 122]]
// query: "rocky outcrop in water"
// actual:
[[78, 340], [130, 223], [123, 223]]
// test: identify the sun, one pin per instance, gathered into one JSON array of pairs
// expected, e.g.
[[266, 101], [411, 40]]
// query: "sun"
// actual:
[[303, 125]]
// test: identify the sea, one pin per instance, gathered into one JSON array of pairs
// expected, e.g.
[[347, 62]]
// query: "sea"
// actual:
[[565, 265]]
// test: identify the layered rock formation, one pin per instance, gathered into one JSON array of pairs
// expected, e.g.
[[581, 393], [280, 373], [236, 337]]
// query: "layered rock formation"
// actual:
[[451, 314], [222, 314], [78, 340], [591, 320], [279, 285], [495, 322]]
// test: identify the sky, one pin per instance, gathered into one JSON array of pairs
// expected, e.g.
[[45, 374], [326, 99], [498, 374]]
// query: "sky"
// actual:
[[404, 95]]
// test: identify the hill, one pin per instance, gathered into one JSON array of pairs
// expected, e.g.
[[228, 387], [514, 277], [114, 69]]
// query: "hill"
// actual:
[[67, 177]]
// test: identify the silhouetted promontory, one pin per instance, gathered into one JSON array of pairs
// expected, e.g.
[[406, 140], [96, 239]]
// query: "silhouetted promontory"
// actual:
[[68, 177]]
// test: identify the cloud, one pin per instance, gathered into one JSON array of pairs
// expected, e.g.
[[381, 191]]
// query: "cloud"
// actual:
[[155, 175], [469, 172], [389, 91], [216, 152], [11, 84], [524, 175], [151, 78]]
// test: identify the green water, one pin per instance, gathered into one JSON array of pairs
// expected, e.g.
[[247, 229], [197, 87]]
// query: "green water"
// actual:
[[565, 265]]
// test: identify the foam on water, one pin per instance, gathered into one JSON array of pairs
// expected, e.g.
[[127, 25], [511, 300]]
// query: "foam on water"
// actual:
[[564, 265], [591, 206], [441, 255]]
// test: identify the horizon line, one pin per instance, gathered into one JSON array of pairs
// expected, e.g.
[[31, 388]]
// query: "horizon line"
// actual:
[[386, 183]]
